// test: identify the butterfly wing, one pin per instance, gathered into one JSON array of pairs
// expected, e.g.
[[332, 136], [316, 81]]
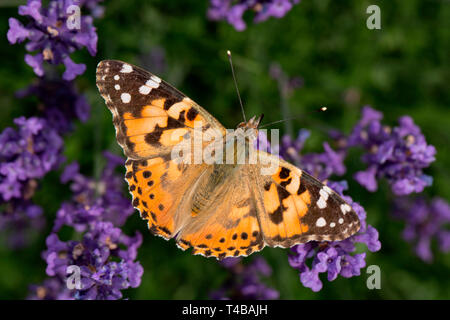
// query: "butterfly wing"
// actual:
[[151, 117], [230, 227], [283, 209], [296, 207]]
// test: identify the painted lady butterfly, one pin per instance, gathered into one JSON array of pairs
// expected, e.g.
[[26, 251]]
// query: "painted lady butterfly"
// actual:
[[219, 210]]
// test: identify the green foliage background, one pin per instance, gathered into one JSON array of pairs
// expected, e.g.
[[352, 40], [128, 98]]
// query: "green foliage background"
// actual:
[[401, 69]]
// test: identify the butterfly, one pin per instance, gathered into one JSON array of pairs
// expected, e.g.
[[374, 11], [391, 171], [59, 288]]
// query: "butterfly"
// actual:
[[218, 209]]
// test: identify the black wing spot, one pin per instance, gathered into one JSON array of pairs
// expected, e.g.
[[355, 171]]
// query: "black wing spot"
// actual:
[[192, 113], [285, 183], [301, 187], [284, 173], [147, 174]]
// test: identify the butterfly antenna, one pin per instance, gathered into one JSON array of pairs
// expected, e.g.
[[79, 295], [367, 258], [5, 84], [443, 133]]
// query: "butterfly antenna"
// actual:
[[321, 109], [235, 84]]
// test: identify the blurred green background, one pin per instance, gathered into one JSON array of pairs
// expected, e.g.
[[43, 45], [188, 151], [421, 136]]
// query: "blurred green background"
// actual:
[[401, 69]]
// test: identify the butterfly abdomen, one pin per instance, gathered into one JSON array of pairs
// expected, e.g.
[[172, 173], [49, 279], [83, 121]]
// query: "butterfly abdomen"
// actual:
[[209, 189]]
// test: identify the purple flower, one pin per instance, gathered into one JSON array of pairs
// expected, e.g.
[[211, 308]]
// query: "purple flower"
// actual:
[[398, 154], [321, 165], [21, 222], [94, 199], [102, 277], [53, 33], [26, 154], [60, 103], [233, 11], [105, 256], [425, 222], [50, 289], [275, 8], [337, 257], [244, 281]]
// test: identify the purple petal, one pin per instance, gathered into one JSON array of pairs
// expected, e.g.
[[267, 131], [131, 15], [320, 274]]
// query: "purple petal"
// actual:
[[72, 69], [367, 178], [32, 9], [35, 62], [17, 32]]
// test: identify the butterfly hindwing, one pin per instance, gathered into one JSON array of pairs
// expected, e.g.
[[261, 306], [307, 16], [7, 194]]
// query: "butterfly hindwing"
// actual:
[[230, 227], [160, 189]]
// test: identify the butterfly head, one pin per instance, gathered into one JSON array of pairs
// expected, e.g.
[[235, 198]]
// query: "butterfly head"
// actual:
[[253, 123], [249, 129]]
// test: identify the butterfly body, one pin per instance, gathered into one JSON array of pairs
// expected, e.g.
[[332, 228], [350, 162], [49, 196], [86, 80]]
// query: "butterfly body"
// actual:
[[222, 197]]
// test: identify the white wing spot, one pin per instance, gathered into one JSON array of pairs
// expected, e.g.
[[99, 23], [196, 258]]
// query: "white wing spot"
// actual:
[[341, 221], [117, 87], [155, 78], [116, 77], [145, 89], [321, 222], [126, 68], [345, 208], [332, 225], [125, 97], [324, 194], [151, 83], [327, 189], [321, 203]]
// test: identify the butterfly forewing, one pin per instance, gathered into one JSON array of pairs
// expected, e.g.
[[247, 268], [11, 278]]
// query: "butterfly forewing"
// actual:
[[146, 110]]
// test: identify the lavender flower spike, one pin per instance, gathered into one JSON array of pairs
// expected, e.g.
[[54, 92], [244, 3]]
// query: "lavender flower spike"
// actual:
[[104, 255], [51, 35], [233, 11], [398, 154], [425, 222], [244, 281]]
